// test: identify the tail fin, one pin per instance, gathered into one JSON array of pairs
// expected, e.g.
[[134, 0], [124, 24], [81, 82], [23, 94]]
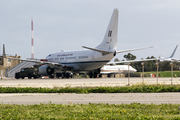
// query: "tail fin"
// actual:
[[173, 52], [4, 54], [109, 42]]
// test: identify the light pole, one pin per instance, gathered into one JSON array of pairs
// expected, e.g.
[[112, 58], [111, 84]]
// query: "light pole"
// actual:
[[157, 64], [142, 72], [171, 63]]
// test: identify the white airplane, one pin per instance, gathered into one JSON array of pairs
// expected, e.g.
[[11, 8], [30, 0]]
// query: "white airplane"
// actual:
[[171, 59], [113, 69], [89, 61]]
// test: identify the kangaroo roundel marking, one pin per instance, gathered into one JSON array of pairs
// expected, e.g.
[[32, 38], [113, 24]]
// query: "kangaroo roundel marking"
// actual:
[[109, 33]]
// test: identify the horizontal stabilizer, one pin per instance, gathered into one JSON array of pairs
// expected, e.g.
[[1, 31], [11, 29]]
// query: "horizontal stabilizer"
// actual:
[[133, 49], [98, 50]]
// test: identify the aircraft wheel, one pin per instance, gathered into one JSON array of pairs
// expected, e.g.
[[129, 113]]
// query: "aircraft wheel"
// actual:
[[100, 75], [22, 77], [51, 76], [90, 75], [95, 75], [57, 76], [109, 75]]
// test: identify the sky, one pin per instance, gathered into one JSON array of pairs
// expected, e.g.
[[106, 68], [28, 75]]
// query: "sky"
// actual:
[[71, 24]]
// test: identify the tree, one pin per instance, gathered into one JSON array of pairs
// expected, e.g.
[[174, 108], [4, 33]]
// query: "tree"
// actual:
[[130, 56], [150, 65], [116, 60]]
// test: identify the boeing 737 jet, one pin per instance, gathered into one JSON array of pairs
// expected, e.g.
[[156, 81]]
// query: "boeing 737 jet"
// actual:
[[90, 60]]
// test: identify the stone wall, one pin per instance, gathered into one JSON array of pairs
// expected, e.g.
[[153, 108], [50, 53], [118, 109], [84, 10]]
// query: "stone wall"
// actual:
[[6, 64]]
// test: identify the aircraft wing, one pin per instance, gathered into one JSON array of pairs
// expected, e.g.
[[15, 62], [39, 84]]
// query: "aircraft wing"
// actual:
[[175, 60], [133, 49], [130, 61], [41, 62], [168, 59]]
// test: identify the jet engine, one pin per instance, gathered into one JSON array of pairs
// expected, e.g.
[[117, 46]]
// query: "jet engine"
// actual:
[[46, 70]]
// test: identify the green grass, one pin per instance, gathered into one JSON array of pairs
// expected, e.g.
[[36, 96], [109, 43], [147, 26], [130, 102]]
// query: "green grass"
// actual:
[[127, 89], [161, 73], [134, 111]]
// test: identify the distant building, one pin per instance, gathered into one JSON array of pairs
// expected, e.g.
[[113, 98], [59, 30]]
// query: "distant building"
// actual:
[[6, 64]]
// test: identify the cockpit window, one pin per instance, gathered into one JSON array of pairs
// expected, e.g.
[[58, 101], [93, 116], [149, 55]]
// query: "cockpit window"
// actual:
[[49, 55]]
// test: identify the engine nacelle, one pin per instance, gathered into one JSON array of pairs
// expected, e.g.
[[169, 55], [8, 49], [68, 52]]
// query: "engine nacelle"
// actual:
[[46, 70]]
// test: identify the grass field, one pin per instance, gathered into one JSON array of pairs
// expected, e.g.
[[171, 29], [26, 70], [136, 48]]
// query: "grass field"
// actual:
[[134, 111], [126, 89]]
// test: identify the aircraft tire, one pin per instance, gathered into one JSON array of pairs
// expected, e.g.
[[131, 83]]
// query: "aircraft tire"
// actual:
[[95, 75], [114, 75], [109, 75], [51, 76], [90, 75]]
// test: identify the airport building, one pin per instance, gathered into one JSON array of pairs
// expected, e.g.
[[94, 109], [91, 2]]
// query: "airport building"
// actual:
[[6, 64]]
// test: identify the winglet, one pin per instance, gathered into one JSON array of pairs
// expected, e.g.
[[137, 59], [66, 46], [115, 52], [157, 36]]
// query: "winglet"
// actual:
[[173, 52]]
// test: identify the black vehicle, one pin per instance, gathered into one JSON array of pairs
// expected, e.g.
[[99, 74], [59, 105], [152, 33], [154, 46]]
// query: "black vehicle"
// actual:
[[28, 72]]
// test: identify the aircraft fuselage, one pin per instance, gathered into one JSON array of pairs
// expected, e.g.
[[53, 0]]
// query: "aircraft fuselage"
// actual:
[[80, 60]]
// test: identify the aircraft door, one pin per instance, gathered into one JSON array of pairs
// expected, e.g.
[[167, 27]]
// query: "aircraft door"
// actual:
[[93, 55]]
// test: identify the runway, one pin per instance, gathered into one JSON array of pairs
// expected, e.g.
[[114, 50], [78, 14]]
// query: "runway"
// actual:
[[110, 98], [67, 98], [84, 82]]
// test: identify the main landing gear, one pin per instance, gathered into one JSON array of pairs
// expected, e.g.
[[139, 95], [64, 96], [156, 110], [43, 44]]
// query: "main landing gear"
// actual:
[[64, 75], [94, 73]]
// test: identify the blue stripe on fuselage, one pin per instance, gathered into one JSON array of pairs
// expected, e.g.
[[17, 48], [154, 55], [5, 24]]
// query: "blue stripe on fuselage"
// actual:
[[84, 62]]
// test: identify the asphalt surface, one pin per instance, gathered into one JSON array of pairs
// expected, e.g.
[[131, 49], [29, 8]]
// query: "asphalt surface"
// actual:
[[110, 98], [84, 82]]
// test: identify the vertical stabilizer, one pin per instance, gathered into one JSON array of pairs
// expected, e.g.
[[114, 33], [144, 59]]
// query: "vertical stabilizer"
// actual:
[[173, 52], [4, 54], [109, 42]]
